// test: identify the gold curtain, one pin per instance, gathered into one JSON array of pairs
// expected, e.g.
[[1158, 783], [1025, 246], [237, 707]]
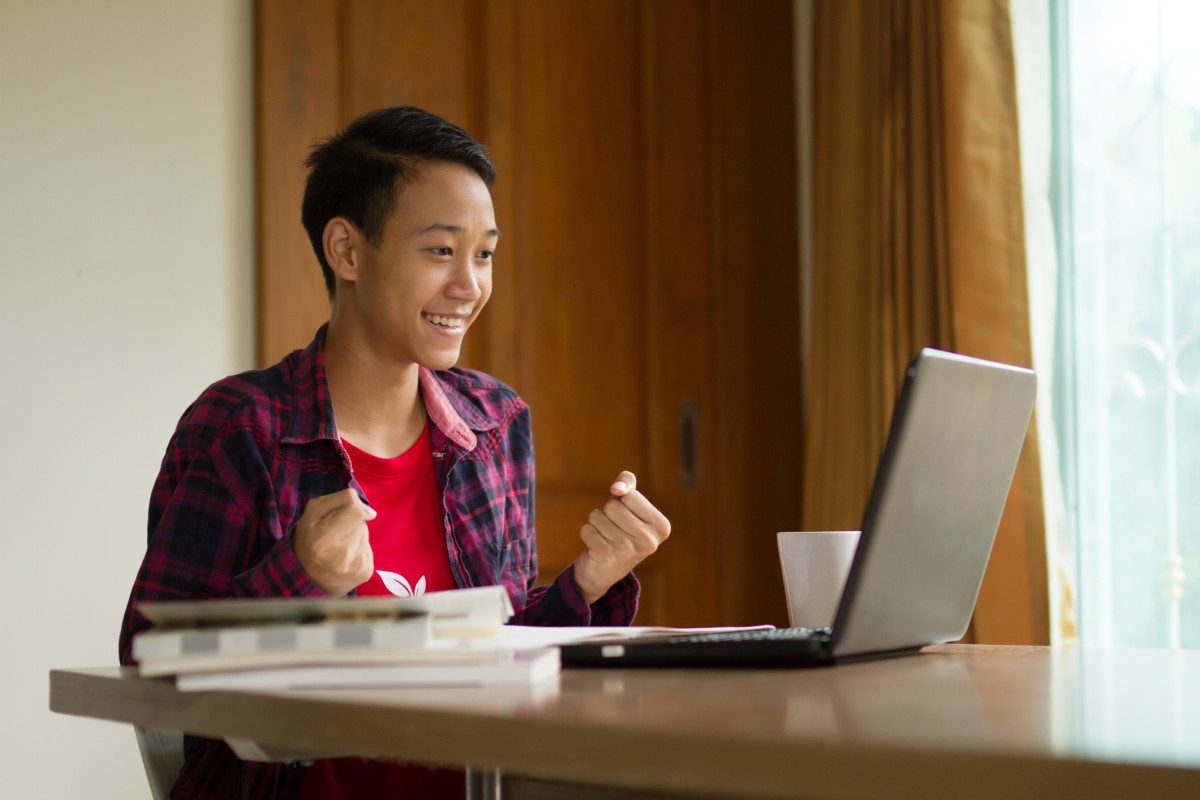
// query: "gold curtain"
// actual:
[[917, 240]]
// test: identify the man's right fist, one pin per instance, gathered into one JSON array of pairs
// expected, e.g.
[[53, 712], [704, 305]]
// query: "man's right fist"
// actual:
[[332, 544]]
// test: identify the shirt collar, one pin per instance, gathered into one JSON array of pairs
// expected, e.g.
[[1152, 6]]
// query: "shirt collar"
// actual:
[[312, 418], [451, 412], [312, 409]]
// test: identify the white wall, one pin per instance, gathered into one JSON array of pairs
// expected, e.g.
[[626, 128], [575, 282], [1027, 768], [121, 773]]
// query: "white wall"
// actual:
[[126, 224]]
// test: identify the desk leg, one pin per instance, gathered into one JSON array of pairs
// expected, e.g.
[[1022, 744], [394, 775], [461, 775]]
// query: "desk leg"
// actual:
[[483, 784]]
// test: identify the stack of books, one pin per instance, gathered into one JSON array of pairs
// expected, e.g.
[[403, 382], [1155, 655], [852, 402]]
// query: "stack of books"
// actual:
[[439, 639]]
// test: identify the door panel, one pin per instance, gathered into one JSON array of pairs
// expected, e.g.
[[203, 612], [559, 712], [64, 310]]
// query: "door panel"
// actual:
[[297, 58], [579, 287], [756, 373], [411, 52], [677, 110]]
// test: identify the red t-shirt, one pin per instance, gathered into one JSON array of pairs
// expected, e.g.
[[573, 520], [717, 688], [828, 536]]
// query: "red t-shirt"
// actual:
[[408, 542], [408, 539]]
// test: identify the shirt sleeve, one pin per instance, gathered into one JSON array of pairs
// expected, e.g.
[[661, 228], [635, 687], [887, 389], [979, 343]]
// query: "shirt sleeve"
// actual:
[[562, 603], [214, 530]]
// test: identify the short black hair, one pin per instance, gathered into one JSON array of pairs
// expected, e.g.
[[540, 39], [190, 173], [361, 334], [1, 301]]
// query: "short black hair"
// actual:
[[359, 173]]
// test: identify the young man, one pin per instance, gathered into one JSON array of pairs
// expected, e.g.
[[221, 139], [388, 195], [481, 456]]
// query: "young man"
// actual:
[[366, 462]]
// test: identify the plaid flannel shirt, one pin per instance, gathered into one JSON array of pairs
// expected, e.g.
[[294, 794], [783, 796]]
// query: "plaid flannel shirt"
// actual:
[[256, 447]]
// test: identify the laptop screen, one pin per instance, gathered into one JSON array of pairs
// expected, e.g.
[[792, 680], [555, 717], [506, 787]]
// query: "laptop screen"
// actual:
[[940, 490]]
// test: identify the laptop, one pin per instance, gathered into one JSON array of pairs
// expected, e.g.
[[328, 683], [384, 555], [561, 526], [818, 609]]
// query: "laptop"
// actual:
[[940, 488]]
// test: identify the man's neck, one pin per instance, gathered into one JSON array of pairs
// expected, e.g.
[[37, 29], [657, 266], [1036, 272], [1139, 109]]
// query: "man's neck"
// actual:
[[376, 403]]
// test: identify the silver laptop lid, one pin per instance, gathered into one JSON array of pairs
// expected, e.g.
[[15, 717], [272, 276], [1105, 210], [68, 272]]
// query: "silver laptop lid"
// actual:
[[940, 489]]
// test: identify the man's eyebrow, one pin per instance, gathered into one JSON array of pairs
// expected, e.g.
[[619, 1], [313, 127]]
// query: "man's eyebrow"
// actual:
[[456, 229]]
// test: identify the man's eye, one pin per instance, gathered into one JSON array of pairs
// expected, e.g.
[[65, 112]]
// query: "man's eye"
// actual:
[[442, 251], [487, 255]]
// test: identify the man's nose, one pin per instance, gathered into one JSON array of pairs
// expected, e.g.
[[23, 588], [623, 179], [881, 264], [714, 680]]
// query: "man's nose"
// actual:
[[465, 280]]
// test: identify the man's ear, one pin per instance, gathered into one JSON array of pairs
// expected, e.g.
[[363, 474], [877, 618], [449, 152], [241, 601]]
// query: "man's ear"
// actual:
[[344, 248]]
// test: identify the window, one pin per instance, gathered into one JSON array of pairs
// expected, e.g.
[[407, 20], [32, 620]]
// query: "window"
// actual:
[[1124, 194]]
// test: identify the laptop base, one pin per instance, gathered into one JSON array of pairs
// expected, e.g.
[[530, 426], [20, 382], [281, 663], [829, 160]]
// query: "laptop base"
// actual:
[[780, 647]]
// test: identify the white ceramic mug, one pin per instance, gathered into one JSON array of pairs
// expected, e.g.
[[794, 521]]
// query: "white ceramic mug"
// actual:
[[815, 565]]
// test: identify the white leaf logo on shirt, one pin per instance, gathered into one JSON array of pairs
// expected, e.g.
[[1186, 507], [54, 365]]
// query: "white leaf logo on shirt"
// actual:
[[399, 586]]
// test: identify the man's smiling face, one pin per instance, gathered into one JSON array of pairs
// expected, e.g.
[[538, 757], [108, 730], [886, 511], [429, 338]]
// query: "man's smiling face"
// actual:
[[422, 287]]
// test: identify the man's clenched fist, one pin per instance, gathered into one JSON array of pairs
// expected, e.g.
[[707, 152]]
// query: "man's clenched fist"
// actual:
[[618, 537], [332, 544]]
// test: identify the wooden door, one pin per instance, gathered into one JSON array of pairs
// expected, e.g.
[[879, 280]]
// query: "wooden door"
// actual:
[[646, 292]]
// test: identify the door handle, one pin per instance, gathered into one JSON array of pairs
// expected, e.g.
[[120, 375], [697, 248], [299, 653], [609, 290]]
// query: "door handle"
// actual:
[[689, 443]]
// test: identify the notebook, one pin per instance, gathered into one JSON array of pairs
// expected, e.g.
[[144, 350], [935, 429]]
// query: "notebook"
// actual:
[[940, 488]]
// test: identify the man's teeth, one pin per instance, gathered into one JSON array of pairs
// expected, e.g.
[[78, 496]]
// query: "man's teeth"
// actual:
[[446, 322]]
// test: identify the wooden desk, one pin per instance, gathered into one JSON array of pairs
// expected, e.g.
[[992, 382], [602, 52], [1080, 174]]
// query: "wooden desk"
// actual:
[[954, 721]]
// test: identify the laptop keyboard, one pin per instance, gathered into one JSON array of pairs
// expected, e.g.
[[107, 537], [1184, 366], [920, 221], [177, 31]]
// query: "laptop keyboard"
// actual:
[[761, 635], [762, 647]]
